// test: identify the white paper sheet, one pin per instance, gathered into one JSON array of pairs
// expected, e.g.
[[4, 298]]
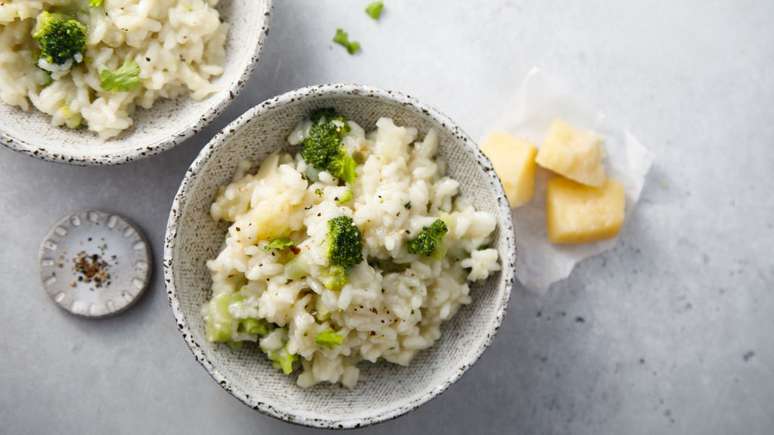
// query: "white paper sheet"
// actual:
[[540, 100]]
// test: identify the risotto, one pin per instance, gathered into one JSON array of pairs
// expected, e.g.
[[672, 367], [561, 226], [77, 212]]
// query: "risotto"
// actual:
[[356, 248], [91, 63]]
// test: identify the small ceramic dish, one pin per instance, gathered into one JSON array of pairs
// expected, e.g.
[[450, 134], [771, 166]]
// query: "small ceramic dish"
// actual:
[[384, 391], [166, 124]]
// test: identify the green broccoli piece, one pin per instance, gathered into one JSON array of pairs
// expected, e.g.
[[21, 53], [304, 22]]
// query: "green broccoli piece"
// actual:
[[345, 249], [71, 119], [322, 147], [335, 278], [279, 244], [329, 338], [259, 327], [60, 37], [374, 9], [283, 360], [345, 245], [220, 323], [323, 142], [124, 79], [96, 3], [429, 239], [342, 38], [343, 167], [345, 197]]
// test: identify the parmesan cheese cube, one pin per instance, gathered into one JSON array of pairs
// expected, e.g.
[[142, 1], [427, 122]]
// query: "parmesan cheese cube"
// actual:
[[573, 153], [580, 214], [514, 162]]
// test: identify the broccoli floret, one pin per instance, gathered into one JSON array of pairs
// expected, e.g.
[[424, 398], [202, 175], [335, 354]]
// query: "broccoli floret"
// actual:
[[259, 327], [374, 9], [322, 146], [345, 245], [345, 197], [283, 360], [60, 37], [279, 244], [429, 239], [343, 167], [124, 79], [342, 38], [323, 142], [220, 323], [329, 338], [282, 249], [335, 278], [71, 119]]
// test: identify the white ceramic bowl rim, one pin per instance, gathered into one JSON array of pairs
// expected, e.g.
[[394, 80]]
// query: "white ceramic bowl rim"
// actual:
[[124, 156], [207, 152]]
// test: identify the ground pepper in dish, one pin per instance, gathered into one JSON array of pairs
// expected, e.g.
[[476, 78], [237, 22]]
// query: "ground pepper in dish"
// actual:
[[92, 269]]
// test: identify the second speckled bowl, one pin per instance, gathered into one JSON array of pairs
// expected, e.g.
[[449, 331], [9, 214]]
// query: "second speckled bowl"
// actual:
[[385, 390], [166, 124]]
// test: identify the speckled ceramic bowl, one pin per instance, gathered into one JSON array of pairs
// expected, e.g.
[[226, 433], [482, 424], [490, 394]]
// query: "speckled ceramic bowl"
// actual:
[[385, 390], [160, 128]]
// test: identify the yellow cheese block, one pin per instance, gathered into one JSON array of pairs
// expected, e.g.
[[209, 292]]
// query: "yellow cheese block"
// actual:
[[514, 162], [573, 153], [580, 214]]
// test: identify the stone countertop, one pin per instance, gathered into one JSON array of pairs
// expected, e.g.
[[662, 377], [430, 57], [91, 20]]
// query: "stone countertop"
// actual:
[[671, 332]]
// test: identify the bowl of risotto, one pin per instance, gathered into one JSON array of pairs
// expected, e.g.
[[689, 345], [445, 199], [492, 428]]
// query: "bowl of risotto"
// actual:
[[339, 255], [96, 82]]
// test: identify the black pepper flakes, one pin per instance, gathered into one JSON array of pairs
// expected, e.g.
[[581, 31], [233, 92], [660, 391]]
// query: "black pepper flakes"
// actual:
[[91, 269]]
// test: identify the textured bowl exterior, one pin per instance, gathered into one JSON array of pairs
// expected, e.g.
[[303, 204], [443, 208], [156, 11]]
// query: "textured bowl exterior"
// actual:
[[384, 391], [166, 124]]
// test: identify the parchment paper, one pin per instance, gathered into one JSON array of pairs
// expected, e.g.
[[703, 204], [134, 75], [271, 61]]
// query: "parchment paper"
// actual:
[[541, 99]]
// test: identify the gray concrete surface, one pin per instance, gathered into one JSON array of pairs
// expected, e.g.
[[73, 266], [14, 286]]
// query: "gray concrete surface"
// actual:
[[669, 333]]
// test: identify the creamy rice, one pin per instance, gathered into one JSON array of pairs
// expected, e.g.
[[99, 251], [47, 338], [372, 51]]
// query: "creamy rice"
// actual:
[[178, 45], [395, 302]]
